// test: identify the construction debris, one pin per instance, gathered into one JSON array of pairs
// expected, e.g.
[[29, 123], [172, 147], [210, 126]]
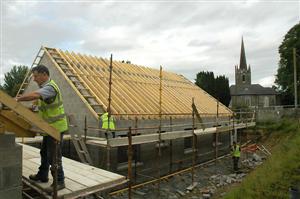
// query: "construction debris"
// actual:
[[139, 192], [263, 149], [208, 192], [206, 196], [256, 157], [222, 180], [180, 193], [252, 162], [192, 186], [207, 180]]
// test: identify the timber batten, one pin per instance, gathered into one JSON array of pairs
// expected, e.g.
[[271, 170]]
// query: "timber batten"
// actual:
[[134, 88]]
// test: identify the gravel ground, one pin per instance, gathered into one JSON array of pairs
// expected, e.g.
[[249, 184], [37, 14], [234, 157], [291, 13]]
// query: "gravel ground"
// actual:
[[209, 180]]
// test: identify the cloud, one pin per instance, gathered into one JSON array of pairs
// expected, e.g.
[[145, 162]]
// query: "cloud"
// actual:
[[183, 37], [199, 43], [267, 81], [109, 40]]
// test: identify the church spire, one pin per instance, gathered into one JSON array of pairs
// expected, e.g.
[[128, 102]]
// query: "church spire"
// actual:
[[243, 63]]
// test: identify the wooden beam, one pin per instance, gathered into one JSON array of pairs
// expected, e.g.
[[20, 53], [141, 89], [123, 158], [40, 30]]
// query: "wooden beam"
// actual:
[[10, 115], [12, 123], [29, 116]]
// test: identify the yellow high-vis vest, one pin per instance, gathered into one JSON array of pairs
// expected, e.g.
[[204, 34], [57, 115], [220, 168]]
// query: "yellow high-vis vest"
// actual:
[[236, 151], [108, 124], [54, 113]]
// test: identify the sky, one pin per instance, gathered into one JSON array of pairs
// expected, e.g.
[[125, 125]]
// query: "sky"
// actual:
[[184, 37]]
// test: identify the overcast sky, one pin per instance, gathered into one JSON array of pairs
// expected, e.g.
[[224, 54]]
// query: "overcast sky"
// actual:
[[185, 37]]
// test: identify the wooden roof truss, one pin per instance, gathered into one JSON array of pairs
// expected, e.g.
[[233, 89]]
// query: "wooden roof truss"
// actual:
[[135, 89]]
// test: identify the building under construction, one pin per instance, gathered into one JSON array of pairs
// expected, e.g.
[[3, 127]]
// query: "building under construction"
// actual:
[[164, 122]]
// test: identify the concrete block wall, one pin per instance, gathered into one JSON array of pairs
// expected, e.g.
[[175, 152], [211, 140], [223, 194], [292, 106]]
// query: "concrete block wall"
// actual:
[[148, 152], [10, 167], [180, 159], [72, 103]]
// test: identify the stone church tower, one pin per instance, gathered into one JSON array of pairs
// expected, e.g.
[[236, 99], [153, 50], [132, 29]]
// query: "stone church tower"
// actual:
[[244, 93], [242, 72]]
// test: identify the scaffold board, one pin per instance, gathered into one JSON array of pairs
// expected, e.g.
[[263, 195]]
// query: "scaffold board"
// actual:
[[80, 179]]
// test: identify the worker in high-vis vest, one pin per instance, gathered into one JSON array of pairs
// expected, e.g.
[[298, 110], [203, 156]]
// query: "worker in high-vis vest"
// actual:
[[51, 109], [236, 154], [108, 123]]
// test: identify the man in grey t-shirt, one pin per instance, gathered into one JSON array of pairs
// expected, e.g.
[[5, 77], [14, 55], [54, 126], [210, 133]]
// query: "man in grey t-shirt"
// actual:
[[47, 93]]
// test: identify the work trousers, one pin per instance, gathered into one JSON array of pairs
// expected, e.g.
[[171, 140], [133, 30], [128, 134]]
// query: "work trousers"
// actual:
[[235, 163], [47, 158]]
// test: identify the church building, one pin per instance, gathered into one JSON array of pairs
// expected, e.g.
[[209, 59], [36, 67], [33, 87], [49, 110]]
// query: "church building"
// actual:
[[245, 94]]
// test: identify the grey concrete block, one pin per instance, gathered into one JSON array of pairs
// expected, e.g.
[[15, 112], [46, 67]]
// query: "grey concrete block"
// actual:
[[11, 177], [7, 140], [14, 193], [1, 179], [10, 156], [10, 167]]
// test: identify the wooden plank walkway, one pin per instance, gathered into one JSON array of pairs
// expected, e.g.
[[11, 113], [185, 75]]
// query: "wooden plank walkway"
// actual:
[[80, 179], [172, 135]]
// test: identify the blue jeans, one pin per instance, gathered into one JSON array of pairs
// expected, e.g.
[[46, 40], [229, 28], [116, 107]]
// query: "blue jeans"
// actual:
[[47, 154]]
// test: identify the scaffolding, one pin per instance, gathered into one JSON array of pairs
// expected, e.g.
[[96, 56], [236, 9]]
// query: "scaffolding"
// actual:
[[218, 126], [158, 136], [76, 69]]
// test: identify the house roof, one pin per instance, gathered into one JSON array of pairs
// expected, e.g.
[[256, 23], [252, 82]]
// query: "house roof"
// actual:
[[253, 89], [135, 88]]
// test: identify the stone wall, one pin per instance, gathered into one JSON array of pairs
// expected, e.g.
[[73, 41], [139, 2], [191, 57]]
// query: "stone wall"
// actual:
[[253, 100], [276, 113]]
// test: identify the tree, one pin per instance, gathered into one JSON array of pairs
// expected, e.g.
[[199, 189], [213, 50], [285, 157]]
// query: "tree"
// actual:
[[13, 79], [285, 73], [217, 87], [222, 89], [206, 81]]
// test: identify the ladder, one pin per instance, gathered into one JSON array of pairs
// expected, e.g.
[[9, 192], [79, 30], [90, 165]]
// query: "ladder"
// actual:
[[78, 142], [75, 79], [263, 149], [28, 74]]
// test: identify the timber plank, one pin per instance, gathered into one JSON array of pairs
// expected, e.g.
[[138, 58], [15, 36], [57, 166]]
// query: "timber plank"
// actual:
[[80, 179], [28, 115]]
